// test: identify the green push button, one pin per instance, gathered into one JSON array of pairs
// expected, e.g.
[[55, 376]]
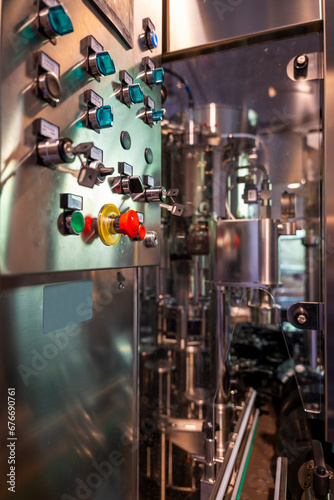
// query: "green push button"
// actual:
[[105, 64], [77, 223], [60, 20], [136, 94]]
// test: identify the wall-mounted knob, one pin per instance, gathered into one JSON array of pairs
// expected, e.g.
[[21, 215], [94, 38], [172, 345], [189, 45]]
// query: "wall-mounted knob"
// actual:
[[149, 39], [101, 64], [101, 118], [55, 21], [130, 93], [152, 76], [55, 151]]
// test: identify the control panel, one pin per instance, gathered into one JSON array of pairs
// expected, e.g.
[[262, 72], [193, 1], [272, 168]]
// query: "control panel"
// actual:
[[80, 138]]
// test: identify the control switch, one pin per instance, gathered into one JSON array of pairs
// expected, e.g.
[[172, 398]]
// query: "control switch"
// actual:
[[54, 20], [149, 39], [98, 61], [152, 76], [97, 116], [130, 93]]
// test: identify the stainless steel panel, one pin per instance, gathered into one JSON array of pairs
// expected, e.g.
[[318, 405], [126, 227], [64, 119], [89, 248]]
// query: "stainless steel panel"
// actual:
[[29, 207], [76, 391], [329, 215], [197, 23]]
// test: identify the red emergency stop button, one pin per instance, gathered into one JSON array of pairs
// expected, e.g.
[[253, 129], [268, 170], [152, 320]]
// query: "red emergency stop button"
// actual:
[[129, 224]]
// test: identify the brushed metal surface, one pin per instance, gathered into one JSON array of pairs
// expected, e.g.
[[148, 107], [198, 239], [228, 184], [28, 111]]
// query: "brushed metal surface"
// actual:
[[29, 207], [198, 23], [329, 216], [76, 391]]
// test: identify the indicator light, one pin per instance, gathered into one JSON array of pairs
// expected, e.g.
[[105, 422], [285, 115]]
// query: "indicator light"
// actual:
[[136, 94], [60, 20], [75, 222]]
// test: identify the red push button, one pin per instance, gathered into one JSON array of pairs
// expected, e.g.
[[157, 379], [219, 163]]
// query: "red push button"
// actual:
[[129, 224], [141, 232]]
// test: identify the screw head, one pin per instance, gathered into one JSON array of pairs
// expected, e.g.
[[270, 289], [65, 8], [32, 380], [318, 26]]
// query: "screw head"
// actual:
[[121, 286], [301, 319]]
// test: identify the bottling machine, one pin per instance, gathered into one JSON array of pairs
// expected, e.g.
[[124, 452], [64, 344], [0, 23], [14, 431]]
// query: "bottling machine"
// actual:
[[166, 250]]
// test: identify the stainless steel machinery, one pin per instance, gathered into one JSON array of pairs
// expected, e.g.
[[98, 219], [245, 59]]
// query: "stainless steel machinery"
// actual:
[[165, 250]]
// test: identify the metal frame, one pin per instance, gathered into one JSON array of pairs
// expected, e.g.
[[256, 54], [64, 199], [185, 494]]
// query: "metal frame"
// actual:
[[328, 181]]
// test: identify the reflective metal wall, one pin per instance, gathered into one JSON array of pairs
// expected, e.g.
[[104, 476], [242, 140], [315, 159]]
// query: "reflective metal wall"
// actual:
[[194, 24]]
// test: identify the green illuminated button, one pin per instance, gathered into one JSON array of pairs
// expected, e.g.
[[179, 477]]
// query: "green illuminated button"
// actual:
[[59, 20], [75, 222], [136, 94], [158, 76], [105, 64], [104, 117]]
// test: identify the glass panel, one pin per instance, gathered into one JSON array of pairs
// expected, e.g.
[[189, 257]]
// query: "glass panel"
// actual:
[[242, 142]]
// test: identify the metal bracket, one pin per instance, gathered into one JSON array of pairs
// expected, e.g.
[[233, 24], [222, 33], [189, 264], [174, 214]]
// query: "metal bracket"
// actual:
[[311, 69], [307, 315]]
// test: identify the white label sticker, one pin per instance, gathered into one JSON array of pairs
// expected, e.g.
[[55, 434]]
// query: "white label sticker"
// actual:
[[49, 64], [252, 195], [96, 153], [95, 45], [51, 3], [49, 130], [96, 100]]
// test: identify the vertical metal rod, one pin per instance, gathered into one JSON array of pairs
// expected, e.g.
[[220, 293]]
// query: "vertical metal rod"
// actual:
[[222, 381], [163, 465], [135, 384], [281, 478]]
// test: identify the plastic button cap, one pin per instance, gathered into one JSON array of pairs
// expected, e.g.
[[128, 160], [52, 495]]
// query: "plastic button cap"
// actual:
[[157, 115], [104, 117], [142, 232], [136, 93], [105, 64], [153, 39], [158, 76], [60, 20], [129, 223], [77, 222]]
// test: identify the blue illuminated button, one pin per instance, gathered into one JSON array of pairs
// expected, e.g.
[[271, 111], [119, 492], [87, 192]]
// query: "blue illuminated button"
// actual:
[[59, 20], [136, 94], [157, 115], [152, 39], [104, 117], [158, 76], [105, 64]]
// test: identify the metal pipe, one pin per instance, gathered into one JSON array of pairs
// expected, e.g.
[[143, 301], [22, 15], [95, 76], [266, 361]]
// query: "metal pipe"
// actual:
[[223, 479], [245, 456]]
